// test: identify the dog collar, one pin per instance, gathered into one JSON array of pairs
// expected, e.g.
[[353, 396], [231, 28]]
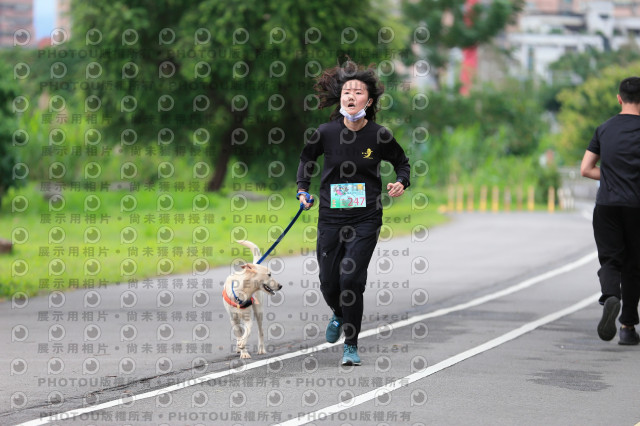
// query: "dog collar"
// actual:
[[238, 303]]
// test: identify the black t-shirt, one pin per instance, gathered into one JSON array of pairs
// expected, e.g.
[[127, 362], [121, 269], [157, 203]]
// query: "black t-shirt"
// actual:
[[351, 157], [617, 142]]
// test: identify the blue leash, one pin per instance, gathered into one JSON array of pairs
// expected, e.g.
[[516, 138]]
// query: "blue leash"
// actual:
[[309, 199]]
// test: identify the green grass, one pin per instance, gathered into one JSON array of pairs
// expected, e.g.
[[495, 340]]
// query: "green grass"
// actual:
[[85, 245]]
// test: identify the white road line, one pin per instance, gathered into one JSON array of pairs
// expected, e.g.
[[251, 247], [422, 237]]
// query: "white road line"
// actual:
[[324, 413], [258, 364], [480, 300]]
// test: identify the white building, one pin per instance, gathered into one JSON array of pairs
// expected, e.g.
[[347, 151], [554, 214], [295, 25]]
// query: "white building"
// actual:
[[542, 38]]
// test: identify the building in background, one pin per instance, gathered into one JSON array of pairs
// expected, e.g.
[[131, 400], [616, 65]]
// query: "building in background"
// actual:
[[63, 16], [16, 23], [548, 29], [621, 8]]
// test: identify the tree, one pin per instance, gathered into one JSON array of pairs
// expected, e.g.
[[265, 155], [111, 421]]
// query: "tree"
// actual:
[[440, 25], [237, 74], [514, 108], [8, 93], [587, 106], [575, 68], [582, 65]]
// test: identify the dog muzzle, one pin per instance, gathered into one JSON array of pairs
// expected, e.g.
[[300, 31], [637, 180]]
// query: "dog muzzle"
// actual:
[[268, 289]]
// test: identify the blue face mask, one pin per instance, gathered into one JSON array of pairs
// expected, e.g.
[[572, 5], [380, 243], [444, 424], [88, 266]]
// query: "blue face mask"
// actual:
[[355, 117]]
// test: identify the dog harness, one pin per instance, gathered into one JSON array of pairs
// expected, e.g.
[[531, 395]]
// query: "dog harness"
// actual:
[[239, 303]]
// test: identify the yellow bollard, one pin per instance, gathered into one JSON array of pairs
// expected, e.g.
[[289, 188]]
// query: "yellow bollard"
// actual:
[[450, 198], [531, 200], [483, 198], [519, 198], [470, 206], [551, 203], [507, 199], [495, 200], [459, 199]]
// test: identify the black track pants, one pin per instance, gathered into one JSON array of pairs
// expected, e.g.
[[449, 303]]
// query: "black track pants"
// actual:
[[617, 234], [344, 252]]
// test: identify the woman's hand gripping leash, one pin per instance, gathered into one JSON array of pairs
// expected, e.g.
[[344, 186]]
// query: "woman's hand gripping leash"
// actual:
[[306, 200]]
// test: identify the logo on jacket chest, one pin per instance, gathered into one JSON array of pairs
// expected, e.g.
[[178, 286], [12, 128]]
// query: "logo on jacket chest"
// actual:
[[368, 154]]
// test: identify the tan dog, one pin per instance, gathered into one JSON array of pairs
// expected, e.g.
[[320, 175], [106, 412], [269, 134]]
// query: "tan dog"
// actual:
[[243, 290]]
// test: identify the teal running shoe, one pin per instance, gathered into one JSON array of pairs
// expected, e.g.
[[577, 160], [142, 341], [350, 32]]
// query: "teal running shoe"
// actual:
[[350, 356], [334, 329]]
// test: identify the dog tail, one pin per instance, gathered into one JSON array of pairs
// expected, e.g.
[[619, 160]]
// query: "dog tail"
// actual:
[[255, 250]]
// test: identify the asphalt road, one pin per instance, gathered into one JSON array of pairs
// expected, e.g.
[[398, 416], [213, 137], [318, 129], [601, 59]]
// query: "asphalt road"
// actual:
[[489, 319]]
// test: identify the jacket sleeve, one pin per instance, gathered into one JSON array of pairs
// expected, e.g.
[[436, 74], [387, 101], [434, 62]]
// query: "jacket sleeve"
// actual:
[[313, 149], [394, 154]]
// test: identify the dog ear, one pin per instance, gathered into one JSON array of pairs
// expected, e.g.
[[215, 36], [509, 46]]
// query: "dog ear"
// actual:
[[249, 267]]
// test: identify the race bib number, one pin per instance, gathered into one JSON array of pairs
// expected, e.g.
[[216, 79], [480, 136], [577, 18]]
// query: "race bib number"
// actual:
[[348, 195]]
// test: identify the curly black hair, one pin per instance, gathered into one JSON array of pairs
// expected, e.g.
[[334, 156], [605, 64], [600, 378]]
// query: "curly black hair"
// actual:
[[329, 86]]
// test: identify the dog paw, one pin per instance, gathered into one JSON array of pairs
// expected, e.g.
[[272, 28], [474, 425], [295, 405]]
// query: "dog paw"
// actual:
[[245, 355], [261, 351]]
